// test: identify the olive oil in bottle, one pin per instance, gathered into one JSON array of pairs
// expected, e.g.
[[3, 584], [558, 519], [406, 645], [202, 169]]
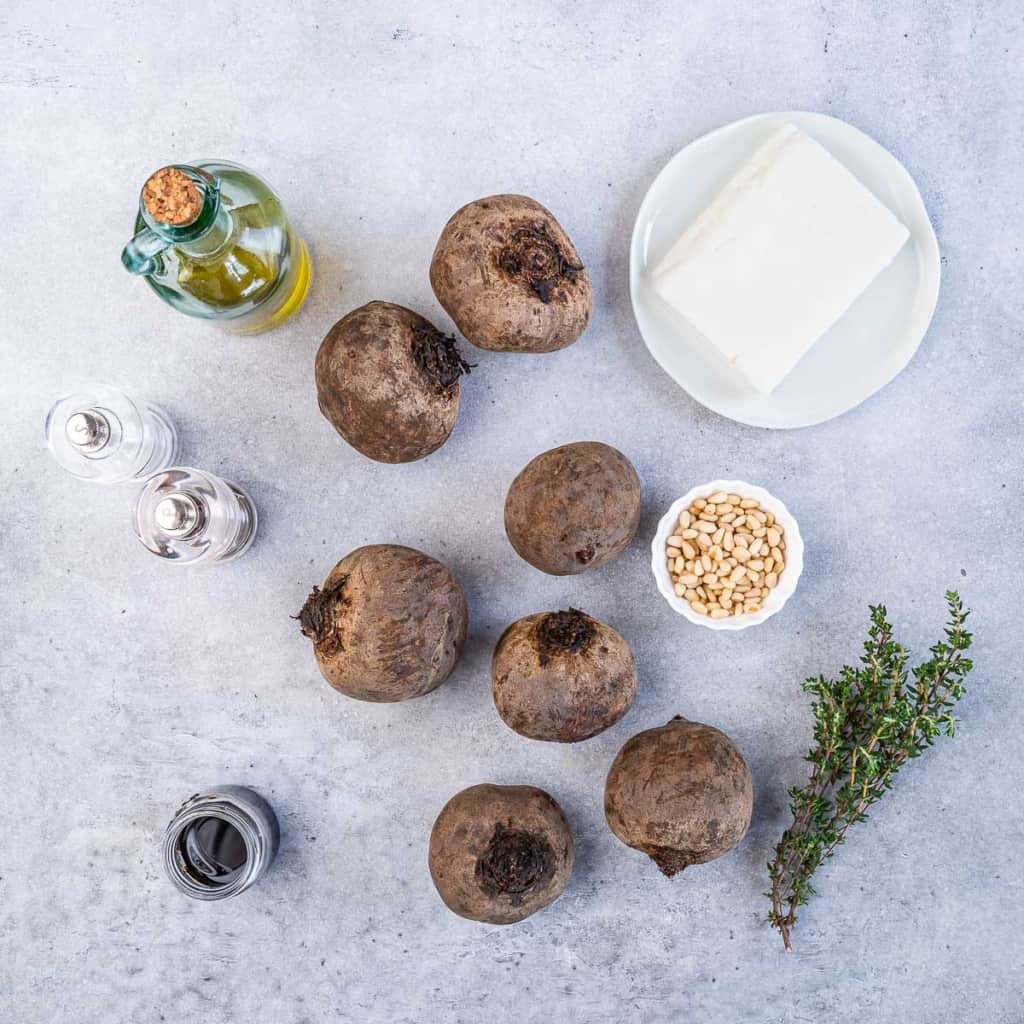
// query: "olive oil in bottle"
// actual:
[[213, 241]]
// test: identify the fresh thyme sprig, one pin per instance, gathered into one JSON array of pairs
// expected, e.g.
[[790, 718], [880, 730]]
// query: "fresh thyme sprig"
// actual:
[[867, 724]]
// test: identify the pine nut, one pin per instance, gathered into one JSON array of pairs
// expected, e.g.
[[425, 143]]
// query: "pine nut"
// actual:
[[726, 555]]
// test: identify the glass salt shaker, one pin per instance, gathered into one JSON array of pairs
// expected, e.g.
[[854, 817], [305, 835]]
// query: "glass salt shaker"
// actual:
[[220, 842], [100, 434], [188, 516]]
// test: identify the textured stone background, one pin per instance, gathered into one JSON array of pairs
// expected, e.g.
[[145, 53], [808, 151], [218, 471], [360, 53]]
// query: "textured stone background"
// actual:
[[127, 684]]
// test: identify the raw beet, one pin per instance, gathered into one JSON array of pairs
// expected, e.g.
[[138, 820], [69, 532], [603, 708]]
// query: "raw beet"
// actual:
[[681, 793], [388, 381], [573, 508], [562, 676], [510, 277], [388, 624], [500, 853]]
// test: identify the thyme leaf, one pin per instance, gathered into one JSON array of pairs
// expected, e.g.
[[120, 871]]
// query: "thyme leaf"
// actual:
[[868, 723]]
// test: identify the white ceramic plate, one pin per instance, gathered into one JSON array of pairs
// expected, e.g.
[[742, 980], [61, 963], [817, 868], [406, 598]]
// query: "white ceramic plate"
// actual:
[[862, 352], [787, 581]]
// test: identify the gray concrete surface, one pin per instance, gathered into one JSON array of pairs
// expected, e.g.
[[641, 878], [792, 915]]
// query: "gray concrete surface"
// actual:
[[127, 684]]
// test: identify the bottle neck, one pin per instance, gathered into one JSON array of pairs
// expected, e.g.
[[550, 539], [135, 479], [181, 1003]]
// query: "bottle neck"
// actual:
[[180, 206], [213, 238]]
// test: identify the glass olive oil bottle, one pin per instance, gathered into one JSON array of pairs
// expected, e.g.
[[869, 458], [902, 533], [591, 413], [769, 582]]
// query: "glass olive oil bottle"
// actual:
[[213, 241]]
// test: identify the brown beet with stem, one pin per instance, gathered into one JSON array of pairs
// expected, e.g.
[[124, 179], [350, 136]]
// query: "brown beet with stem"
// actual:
[[388, 382], [681, 793], [573, 508], [500, 853], [510, 277], [389, 623], [562, 676]]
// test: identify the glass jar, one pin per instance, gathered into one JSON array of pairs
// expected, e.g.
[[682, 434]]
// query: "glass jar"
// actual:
[[213, 241], [220, 842], [98, 433]]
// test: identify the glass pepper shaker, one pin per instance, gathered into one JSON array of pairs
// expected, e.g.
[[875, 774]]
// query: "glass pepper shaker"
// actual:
[[100, 434], [220, 842], [188, 516], [213, 241]]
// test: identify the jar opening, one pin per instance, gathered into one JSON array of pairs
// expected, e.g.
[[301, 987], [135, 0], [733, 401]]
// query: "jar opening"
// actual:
[[220, 842], [212, 851]]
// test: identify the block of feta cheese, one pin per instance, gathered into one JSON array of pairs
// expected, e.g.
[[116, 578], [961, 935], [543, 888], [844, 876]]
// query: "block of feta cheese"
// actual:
[[778, 256]]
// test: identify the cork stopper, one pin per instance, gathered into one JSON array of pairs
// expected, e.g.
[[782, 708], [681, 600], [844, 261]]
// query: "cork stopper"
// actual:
[[171, 197]]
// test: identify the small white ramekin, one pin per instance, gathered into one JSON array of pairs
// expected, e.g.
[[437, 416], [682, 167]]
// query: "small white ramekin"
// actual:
[[787, 581]]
